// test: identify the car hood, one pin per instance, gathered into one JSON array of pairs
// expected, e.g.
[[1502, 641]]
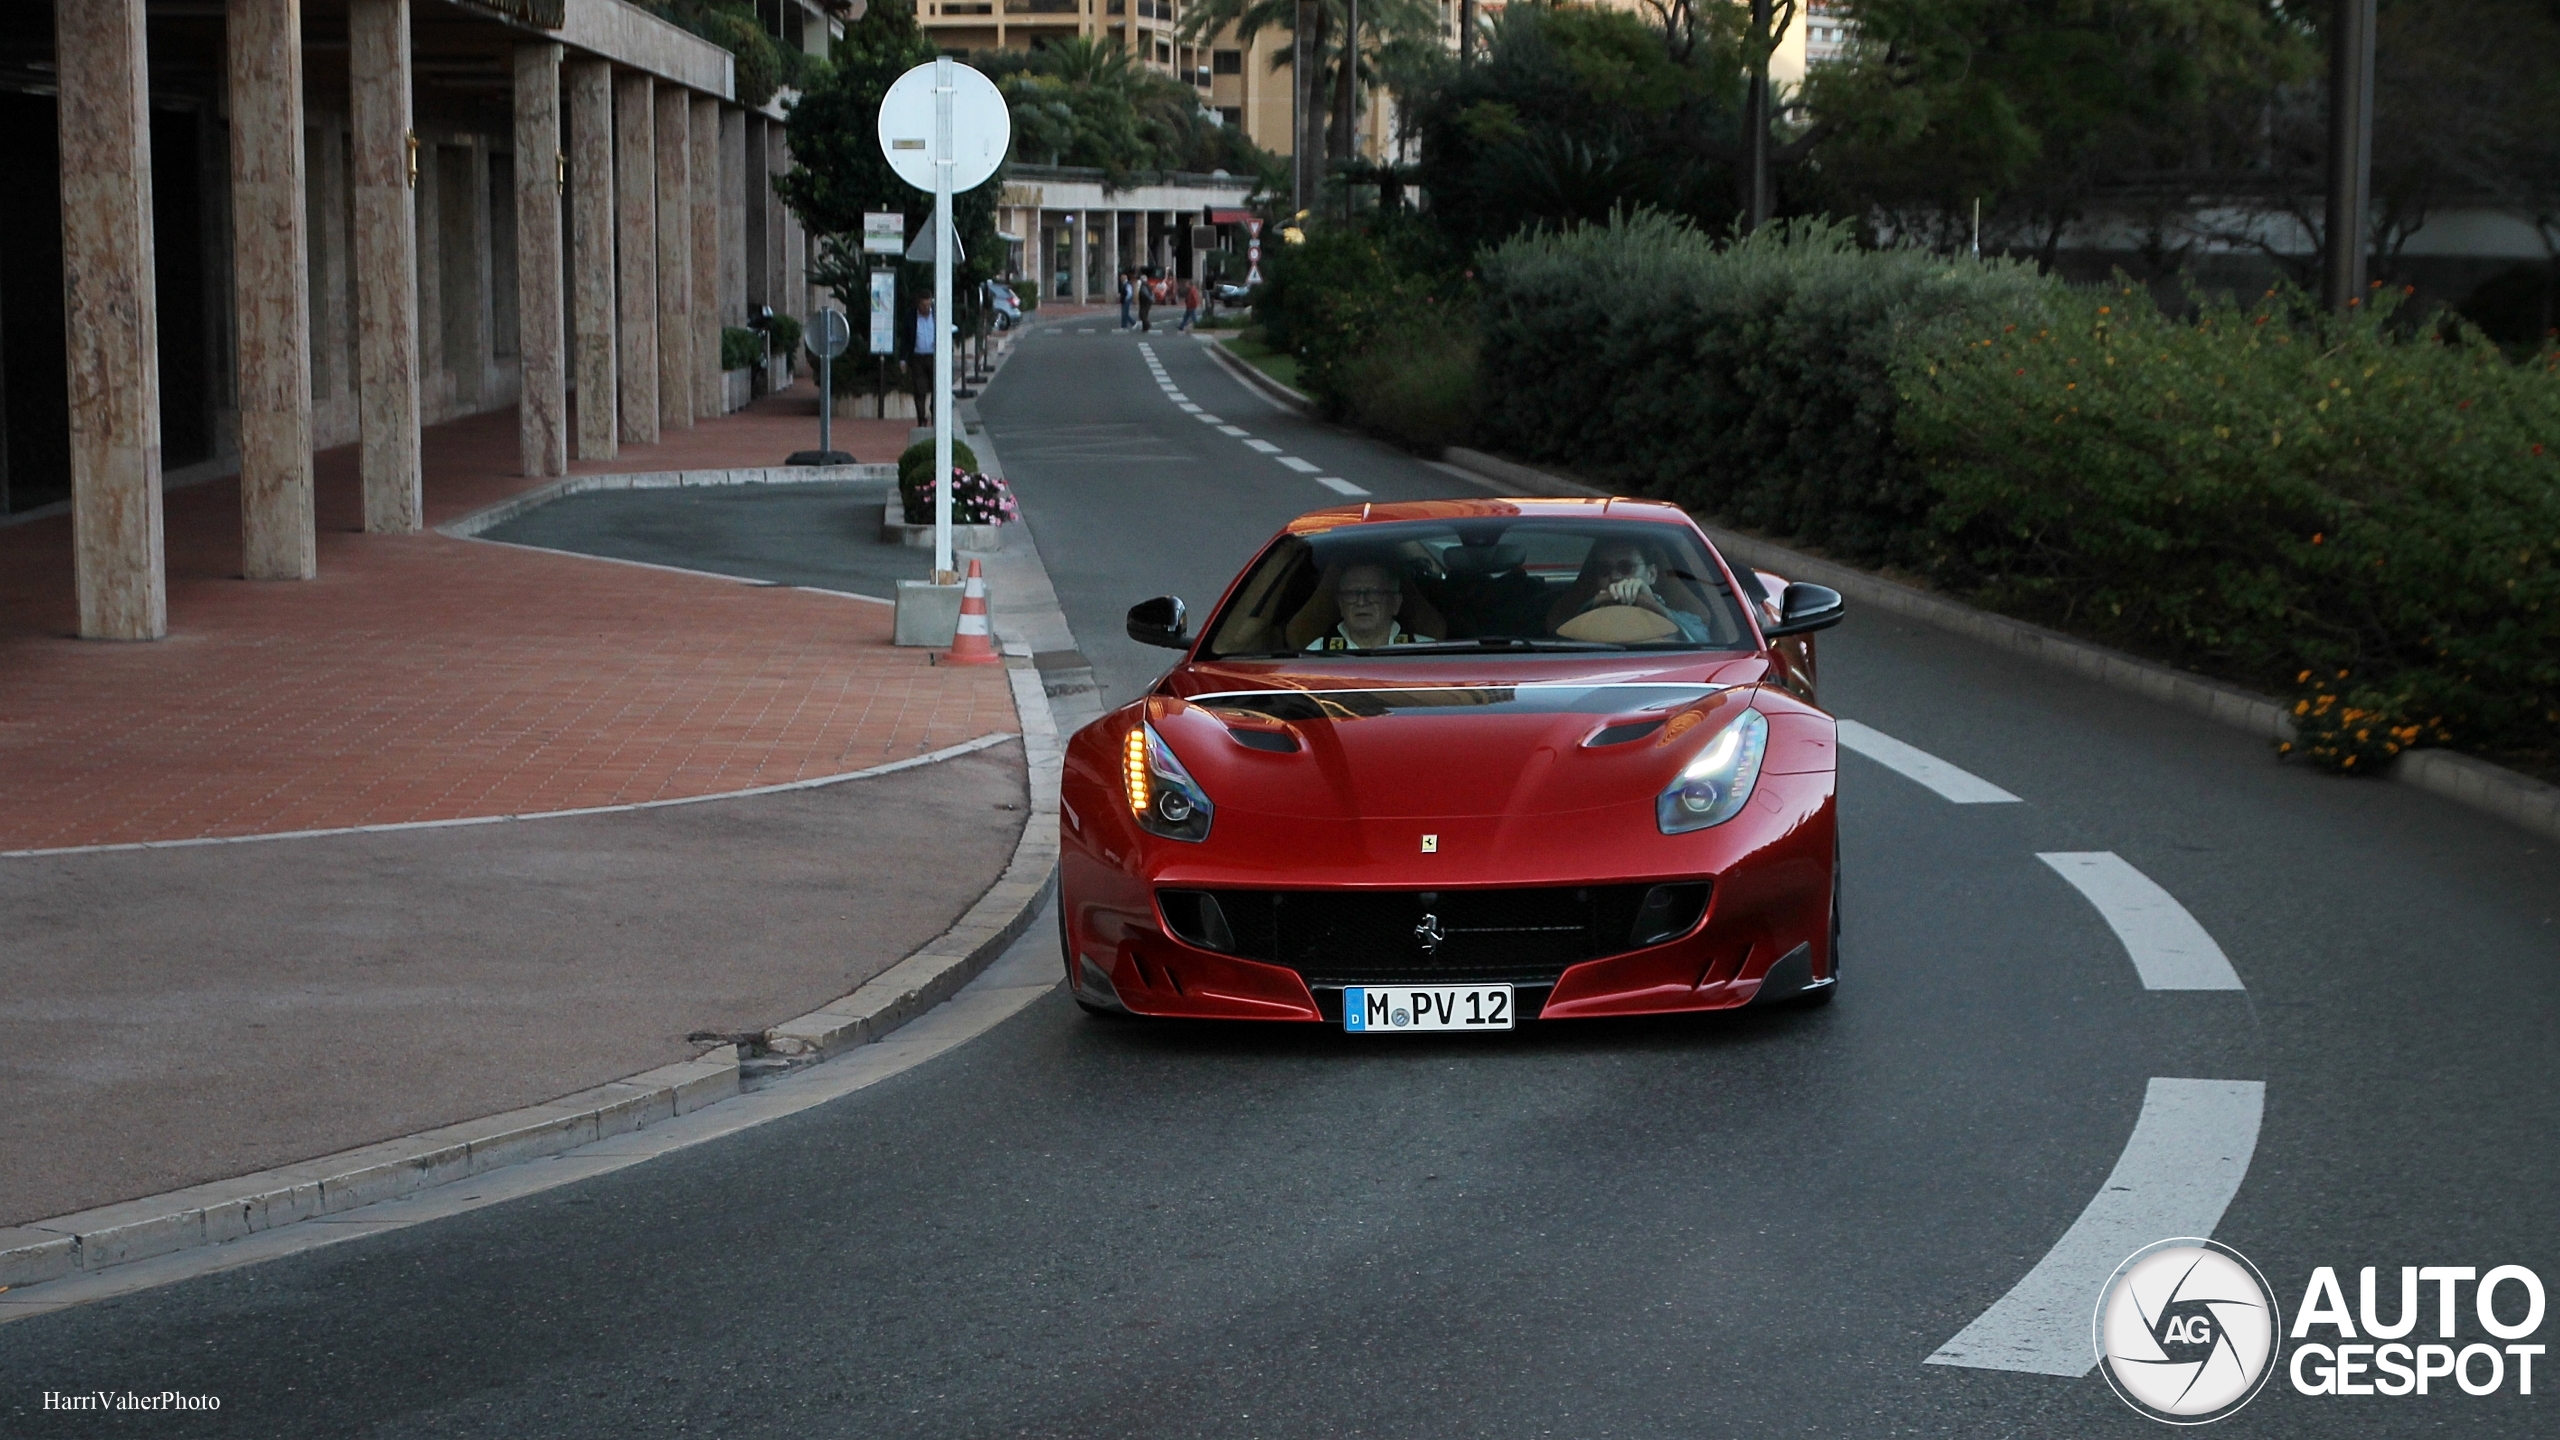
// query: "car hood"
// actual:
[[1444, 750]]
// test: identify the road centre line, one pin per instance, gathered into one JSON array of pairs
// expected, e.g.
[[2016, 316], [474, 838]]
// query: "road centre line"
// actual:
[[1236, 430], [1187, 408], [2169, 949], [1204, 417], [1265, 446], [2187, 1156], [1339, 485], [1959, 785], [1303, 467]]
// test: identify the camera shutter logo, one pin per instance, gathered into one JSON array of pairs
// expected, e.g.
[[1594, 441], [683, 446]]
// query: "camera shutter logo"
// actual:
[[2186, 1331]]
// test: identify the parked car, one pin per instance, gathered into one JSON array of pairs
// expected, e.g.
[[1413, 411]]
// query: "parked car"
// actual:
[[1008, 306]]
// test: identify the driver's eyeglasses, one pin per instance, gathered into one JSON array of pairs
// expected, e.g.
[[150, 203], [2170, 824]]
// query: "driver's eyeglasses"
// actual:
[[1379, 597]]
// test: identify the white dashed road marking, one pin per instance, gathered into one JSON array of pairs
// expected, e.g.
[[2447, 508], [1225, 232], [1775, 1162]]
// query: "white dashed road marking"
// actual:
[[2188, 1155], [1343, 486], [1303, 467], [1265, 446], [1961, 786], [1187, 408], [1205, 418], [1173, 391], [2168, 947], [1236, 430]]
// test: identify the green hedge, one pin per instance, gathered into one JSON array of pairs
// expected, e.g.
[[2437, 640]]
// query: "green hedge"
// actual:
[[1750, 380], [1383, 335], [2349, 511], [2362, 514], [915, 467], [786, 336]]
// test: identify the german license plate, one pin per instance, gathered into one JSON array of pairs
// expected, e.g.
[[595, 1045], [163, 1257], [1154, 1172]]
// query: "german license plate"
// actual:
[[1376, 1009]]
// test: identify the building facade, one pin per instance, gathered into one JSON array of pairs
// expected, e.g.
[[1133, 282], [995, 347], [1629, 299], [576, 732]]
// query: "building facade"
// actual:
[[247, 230]]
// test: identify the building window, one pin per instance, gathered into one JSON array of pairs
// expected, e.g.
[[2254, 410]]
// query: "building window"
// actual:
[[1227, 62], [1233, 115], [1164, 53]]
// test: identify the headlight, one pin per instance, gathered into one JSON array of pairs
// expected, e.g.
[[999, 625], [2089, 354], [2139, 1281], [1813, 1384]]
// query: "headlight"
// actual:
[[1164, 797], [1714, 787]]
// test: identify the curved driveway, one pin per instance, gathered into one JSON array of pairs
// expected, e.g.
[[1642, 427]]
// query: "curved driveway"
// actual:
[[1760, 1224]]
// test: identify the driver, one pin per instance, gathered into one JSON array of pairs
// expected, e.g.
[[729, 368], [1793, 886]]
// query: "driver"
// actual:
[[1627, 578], [1370, 597]]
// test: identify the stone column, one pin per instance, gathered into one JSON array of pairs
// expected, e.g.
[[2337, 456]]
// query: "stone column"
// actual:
[[676, 386], [792, 256], [1080, 228], [635, 202], [426, 203], [111, 319], [590, 94], [777, 222], [709, 304], [332, 332], [386, 242], [754, 199], [1110, 259], [269, 266], [543, 409], [733, 213]]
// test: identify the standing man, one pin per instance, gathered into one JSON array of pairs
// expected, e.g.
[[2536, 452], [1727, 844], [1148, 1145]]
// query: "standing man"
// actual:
[[1190, 303], [1127, 290], [920, 364], [1146, 302]]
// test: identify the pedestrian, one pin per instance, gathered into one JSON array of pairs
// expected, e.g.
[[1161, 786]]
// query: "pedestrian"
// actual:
[[1146, 303], [1190, 303], [920, 364], [1128, 292]]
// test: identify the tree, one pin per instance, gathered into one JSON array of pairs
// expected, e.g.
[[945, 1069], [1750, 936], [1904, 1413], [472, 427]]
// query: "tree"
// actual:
[[2032, 107], [1089, 103], [1394, 28], [837, 171]]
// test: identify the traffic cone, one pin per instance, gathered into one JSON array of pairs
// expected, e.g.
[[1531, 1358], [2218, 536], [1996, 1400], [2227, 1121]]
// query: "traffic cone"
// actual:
[[972, 645]]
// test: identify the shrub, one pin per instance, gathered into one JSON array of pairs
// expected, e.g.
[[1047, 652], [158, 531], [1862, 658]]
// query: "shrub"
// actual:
[[2346, 510], [740, 347], [785, 332], [1751, 380], [915, 476], [1331, 302], [1414, 383]]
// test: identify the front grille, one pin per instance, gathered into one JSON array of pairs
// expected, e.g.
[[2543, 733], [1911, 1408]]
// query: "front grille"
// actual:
[[1377, 937]]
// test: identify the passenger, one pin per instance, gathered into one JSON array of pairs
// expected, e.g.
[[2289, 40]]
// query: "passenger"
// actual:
[[1370, 598], [1626, 578]]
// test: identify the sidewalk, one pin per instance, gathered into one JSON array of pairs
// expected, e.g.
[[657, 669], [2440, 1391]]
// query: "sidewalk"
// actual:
[[180, 1015]]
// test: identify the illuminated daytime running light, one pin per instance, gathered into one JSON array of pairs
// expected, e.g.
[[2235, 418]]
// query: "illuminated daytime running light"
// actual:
[[1714, 787], [1162, 795]]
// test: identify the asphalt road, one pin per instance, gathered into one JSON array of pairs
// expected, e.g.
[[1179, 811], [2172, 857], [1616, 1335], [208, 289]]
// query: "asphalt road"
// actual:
[[1760, 1224]]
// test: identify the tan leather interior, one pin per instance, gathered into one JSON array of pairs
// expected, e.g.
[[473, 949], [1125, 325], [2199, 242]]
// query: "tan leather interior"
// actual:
[[1618, 625]]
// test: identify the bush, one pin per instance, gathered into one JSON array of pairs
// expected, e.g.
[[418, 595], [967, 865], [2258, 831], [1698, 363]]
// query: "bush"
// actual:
[[975, 500], [785, 332], [915, 476], [1331, 302], [1415, 383], [2345, 510], [1750, 380], [740, 348]]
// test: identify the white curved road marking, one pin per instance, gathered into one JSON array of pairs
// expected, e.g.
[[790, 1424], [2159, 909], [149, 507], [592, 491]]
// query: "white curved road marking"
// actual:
[[2188, 1155], [1961, 786], [2168, 947]]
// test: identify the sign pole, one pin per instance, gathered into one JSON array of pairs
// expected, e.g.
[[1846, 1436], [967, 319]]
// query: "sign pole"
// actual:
[[826, 404], [942, 248]]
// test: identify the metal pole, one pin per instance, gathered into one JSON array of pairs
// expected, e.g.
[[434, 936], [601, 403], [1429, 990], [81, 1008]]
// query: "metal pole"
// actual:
[[1466, 32], [1756, 117], [2350, 151], [943, 85], [826, 407], [1302, 68]]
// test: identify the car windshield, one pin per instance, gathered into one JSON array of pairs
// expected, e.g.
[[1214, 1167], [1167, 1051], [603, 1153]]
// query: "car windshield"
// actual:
[[1481, 584]]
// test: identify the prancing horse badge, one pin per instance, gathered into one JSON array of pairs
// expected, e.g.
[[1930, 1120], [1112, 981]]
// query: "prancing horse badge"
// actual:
[[1430, 844]]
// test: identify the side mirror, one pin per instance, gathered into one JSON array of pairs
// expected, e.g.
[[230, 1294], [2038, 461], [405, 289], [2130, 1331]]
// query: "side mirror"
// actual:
[[1162, 620], [1803, 609]]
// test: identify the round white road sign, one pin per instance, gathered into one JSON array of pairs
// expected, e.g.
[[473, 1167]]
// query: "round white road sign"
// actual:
[[828, 333], [981, 126]]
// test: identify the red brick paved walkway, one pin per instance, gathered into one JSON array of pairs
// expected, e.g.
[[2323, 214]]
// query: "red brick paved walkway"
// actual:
[[425, 678]]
